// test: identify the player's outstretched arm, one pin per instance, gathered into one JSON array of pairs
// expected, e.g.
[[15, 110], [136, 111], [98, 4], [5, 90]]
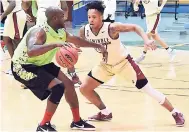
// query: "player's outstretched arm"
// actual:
[[116, 28], [35, 43], [84, 43]]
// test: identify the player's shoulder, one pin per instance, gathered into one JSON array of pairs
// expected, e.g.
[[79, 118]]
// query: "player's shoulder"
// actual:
[[36, 30], [114, 26]]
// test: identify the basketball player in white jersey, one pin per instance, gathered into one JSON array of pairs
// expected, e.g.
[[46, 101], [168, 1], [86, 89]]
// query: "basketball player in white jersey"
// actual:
[[119, 62], [42, 5], [14, 24], [109, 11], [152, 11]]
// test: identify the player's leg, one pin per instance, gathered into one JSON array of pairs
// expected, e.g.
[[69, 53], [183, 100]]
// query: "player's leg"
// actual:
[[72, 100], [149, 25], [43, 85], [8, 42], [171, 52], [142, 83], [8, 34], [96, 77]]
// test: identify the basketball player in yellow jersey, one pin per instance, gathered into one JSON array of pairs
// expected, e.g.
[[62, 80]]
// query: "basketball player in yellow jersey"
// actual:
[[42, 5], [119, 62], [152, 11], [32, 65]]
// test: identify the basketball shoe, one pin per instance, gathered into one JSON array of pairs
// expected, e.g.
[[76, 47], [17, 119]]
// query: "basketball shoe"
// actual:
[[100, 117], [47, 127], [179, 119], [82, 125]]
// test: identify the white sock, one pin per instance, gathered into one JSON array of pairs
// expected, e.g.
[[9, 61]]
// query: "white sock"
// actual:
[[175, 110], [143, 54], [105, 111], [169, 50]]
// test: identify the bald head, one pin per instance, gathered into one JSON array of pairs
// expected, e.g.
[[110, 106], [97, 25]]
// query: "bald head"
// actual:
[[53, 11], [55, 17]]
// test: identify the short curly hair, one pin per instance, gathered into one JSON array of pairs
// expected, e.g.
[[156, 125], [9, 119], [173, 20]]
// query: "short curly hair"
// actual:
[[98, 5]]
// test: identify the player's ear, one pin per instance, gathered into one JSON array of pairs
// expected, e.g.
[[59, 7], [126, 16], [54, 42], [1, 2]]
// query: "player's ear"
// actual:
[[54, 18]]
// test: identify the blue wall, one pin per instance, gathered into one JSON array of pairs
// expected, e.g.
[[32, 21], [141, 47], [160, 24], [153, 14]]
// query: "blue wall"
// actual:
[[80, 15], [181, 9]]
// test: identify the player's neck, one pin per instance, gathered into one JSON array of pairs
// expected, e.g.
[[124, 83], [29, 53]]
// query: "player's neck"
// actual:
[[53, 26]]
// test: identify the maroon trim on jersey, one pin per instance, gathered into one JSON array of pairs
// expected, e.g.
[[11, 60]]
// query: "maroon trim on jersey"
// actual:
[[84, 33], [156, 24], [17, 34], [98, 31], [117, 37], [137, 69]]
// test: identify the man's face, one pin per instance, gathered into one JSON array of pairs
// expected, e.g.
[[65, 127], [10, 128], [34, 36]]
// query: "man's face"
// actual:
[[94, 18], [59, 19]]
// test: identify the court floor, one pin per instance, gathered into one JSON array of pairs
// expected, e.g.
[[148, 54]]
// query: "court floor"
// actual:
[[132, 109]]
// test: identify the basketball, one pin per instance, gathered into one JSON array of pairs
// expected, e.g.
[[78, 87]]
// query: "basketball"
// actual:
[[67, 57]]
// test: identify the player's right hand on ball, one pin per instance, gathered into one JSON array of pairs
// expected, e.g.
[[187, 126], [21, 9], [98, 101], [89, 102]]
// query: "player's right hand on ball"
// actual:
[[150, 45]]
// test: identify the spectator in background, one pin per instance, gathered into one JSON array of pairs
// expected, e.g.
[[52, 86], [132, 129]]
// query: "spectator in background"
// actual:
[[110, 9]]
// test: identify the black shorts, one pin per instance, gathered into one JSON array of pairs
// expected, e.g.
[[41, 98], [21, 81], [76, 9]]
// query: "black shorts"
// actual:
[[39, 84]]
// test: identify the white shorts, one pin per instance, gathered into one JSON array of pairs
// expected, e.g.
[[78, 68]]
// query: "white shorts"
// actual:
[[41, 17], [126, 69], [152, 23], [14, 25]]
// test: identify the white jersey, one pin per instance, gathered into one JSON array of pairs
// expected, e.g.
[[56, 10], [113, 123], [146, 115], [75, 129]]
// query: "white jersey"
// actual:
[[150, 6], [116, 50], [47, 3], [18, 6]]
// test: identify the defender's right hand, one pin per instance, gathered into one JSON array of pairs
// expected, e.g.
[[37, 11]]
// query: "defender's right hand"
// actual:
[[104, 53]]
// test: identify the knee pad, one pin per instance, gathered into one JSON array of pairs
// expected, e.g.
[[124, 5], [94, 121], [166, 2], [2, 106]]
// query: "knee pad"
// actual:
[[57, 93], [141, 83]]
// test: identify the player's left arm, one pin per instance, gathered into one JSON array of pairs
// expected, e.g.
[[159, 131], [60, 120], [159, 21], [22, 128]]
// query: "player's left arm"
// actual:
[[116, 28], [84, 43]]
